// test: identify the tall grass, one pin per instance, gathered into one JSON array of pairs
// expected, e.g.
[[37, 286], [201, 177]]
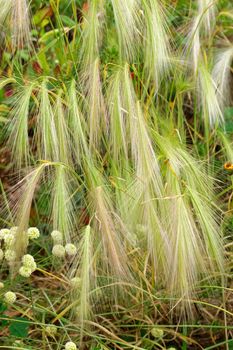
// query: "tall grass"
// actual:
[[15, 16], [118, 146]]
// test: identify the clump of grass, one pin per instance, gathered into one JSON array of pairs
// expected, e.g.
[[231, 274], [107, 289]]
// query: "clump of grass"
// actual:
[[123, 152]]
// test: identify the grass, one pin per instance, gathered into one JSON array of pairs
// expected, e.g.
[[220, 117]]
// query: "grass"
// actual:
[[116, 137]]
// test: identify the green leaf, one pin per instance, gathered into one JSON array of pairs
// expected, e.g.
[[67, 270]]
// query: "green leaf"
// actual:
[[3, 307], [67, 21], [19, 327]]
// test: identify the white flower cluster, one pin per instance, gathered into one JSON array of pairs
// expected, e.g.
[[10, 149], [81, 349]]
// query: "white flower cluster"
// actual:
[[4, 232], [70, 346], [28, 266], [7, 236], [57, 237], [10, 255], [10, 297], [33, 233], [59, 250]]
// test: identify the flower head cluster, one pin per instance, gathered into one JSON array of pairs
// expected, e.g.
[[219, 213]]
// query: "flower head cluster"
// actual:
[[70, 249], [28, 267], [10, 297], [25, 271], [70, 346], [7, 251], [51, 330], [57, 237], [59, 250], [10, 255], [157, 333], [9, 240], [8, 237], [4, 232], [33, 233]]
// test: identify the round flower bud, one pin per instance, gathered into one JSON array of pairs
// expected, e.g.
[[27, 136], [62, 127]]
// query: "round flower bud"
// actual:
[[4, 232], [25, 271], [71, 250], [157, 333], [58, 251], [75, 282], [10, 255], [33, 233], [51, 330], [33, 266], [27, 260], [9, 240], [70, 346], [171, 348], [1, 254], [57, 237], [1, 285], [10, 297]]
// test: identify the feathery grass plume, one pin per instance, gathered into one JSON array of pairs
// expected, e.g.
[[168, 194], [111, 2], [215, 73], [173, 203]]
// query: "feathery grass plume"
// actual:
[[92, 33], [127, 21], [146, 206], [20, 23], [200, 188], [17, 13], [24, 193], [18, 126], [107, 223], [62, 132], [5, 11], [192, 48], [90, 71], [221, 75], [185, 260], [85, 272], [208, 98], [118, 120], [207, 10], [191, 219], [157, 48], [46, 139], [63, 209], [77, 125], [145, 161], [96, 111], [137, 206]]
